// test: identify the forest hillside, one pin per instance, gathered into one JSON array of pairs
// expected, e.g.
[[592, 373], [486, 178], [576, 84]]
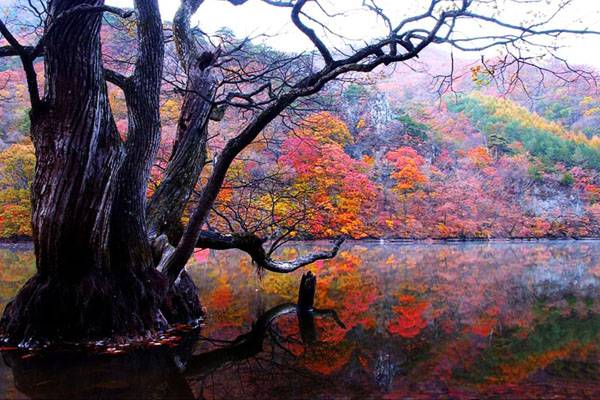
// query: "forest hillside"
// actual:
[[390, 156]]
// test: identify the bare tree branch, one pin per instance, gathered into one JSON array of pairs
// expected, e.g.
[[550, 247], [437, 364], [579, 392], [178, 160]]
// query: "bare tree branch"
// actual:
[[27, 59], [253, 245], [309, 32]]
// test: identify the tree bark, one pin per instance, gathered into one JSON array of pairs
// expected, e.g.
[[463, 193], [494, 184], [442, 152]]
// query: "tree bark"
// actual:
[[129, 239], [189, 150], [95, 272], [306, 293], [188, 157]]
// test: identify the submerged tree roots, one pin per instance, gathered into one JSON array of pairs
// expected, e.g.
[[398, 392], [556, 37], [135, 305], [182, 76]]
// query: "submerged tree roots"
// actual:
[[129, 308]]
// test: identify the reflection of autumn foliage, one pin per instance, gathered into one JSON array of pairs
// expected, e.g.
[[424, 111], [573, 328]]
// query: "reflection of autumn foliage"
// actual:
[[221, 298], [219, 285], [345, 286], [328, 355], [288, 332], [15, 268], [410, 320], [201, 256], [515, 372], [327, 360], [471, 319], [484, 325]]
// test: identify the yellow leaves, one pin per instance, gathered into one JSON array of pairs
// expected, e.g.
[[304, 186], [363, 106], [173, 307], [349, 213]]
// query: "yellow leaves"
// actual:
[[325, 128], [17, 164], [480, 75], [506, 109], [408, 174], [170, 110], [475, 72], [361, 123], [595, 142], [15, 220], [117, 103], [591, 111], [591, 106], [130, 26], [409, 178], [368, 160], [335, 186], [587, 100], [14, 196], [443, 230]]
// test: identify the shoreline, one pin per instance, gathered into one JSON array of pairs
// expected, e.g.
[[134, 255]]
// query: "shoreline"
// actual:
[[27, 244]]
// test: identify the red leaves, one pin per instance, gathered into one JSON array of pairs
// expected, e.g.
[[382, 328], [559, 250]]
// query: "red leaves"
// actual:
[[410, 321], [339, 190]]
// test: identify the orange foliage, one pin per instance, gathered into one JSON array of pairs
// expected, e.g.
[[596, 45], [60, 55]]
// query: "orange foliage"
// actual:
[[410, 321], [408, 174], [480, 157], [339, 190], [324, 128]]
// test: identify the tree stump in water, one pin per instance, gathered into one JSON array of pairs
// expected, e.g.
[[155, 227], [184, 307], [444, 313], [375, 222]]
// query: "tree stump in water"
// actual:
[[306, 294], [306, 301]]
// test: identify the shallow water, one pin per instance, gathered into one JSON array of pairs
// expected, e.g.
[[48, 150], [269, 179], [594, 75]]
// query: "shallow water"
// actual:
[[465, 320]]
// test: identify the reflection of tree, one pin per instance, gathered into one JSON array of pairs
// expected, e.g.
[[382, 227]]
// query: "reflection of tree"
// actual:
[[464, 317], [445, 305], [163, 372], [143, 374], [250, 355], [511, 358]]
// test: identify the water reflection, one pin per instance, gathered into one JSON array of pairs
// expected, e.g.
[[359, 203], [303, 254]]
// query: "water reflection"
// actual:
[[158, 373], [142, 374], [508, 320]]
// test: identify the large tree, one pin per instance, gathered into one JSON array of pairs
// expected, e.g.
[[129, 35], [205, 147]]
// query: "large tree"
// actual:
[[110, 261]]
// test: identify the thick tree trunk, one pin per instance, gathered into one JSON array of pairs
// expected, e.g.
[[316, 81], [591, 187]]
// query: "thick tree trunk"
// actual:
[[95, 273], [129, 238], [188, 157], [189, 150]]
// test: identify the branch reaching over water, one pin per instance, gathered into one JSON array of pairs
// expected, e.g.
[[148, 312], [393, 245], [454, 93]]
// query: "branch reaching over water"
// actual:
[[253, 245]]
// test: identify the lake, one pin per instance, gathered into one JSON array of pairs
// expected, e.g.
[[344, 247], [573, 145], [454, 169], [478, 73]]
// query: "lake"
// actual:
[[396, 320]]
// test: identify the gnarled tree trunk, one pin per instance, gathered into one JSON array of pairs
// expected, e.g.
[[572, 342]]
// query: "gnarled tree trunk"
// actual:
[[95, 271]]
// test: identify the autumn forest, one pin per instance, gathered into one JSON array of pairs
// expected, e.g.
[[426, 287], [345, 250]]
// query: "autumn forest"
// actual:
[[386, 160]]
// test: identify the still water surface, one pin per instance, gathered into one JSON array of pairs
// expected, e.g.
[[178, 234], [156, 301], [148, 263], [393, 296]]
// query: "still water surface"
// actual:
[[469, 320]]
